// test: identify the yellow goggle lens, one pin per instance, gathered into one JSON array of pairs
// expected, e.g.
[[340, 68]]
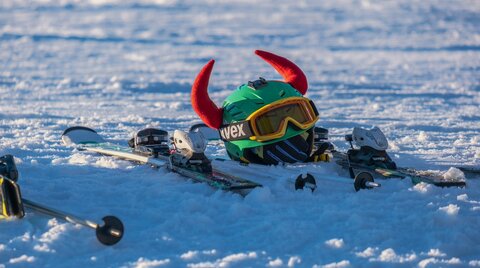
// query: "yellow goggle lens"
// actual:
[[271, 122]]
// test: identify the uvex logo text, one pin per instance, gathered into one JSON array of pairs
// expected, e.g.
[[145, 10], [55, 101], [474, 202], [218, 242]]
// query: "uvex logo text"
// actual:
[[235, 131]]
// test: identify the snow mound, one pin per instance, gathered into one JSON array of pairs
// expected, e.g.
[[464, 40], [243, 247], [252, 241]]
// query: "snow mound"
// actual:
[[451, 209], [335, 243], [454, 174]]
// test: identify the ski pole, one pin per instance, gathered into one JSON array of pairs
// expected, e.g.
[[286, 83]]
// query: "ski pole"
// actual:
[[110, 233]]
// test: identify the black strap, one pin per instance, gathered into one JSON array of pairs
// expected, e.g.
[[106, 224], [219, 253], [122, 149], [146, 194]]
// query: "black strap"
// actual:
[[314, 108]]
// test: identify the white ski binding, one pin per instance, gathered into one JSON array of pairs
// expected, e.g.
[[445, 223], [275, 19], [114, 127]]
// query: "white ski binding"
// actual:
[[189, 150], [372, 145], [373, 138]]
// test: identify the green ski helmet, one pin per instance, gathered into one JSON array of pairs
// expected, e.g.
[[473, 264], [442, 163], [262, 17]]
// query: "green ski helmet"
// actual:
[[265, 122]]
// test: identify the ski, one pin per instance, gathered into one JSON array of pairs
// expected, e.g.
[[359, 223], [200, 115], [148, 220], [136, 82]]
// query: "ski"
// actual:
[[150, 146], [370, 155], [416, 176]]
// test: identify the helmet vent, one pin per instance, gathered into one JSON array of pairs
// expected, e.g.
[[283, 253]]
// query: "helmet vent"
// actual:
[[255, 98], [235, 112], [281, 93], [228, 108]]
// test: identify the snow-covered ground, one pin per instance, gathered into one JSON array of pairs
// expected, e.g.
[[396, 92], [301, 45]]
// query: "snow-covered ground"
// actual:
[[410, 67]]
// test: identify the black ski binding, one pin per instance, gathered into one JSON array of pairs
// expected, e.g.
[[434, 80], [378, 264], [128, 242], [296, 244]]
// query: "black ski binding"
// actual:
[[150, 142], [320, 138], [195, 161], [371, 157]]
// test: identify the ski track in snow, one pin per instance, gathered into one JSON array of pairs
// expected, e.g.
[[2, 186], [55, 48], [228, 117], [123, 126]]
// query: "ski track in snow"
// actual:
[[410, 67]]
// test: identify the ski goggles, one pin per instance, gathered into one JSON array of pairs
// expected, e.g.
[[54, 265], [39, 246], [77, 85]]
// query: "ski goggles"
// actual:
[[271, 121]]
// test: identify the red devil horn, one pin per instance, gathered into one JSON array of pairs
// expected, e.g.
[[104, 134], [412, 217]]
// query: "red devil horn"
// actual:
[[291, 73], [201, 102]]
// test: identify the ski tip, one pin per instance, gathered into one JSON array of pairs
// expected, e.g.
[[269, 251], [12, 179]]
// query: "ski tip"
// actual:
[[195, 127], [80, 135], [66, 131]]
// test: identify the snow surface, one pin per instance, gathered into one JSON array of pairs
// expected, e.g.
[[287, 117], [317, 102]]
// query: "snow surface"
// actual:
[[410, 67]]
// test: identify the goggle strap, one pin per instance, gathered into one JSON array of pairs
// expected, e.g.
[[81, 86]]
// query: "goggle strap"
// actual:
[[236, 131], [314, 107]]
